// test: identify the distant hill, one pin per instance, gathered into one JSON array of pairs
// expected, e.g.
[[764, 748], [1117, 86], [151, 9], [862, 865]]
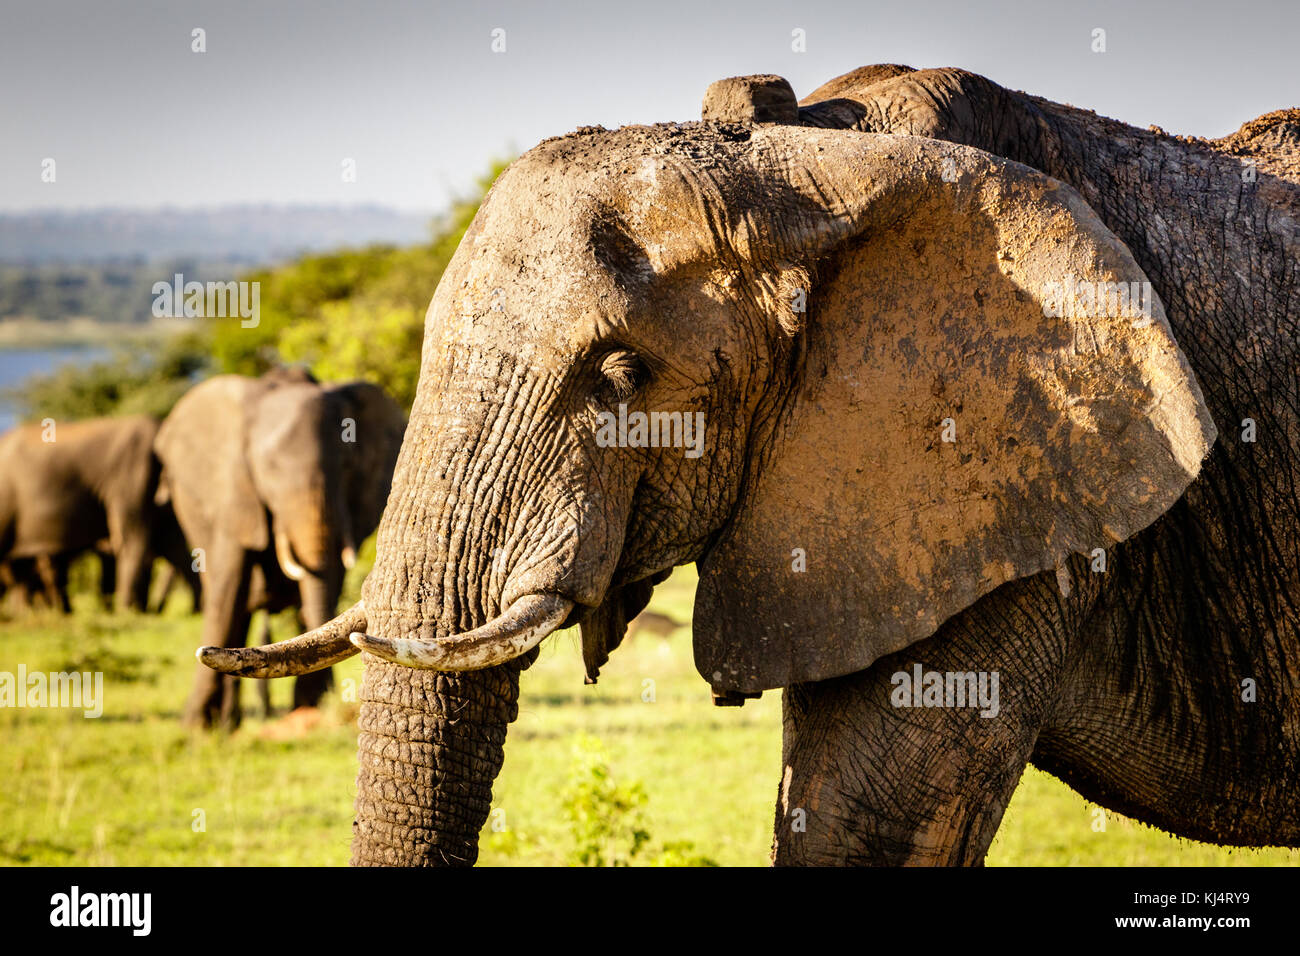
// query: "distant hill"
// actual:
[[101, 265], [254, 234]]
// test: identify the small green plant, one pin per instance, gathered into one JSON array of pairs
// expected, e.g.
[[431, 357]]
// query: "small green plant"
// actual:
[[607, 819], [681, 853]]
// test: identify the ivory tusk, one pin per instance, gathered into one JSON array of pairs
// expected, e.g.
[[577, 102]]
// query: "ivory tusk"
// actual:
[[284, 555], [313, 651], [521, 628]]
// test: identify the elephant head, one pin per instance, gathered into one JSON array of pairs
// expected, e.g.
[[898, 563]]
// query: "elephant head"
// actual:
[[829, 367], [284, 475]]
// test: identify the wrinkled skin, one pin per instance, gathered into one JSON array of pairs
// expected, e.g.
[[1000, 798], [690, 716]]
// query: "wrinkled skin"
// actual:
[[264, 481], [719, 344], [656, 266], [91, 488], [1132, 685]]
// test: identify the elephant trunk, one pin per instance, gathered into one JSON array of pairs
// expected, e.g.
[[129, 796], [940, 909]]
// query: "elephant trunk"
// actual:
[[481, 546], [473, 531], [430, 747]]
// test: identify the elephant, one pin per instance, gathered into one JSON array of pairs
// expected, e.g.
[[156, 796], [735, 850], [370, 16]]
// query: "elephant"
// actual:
[[276, 481], [169, 542], [37, 581], [67, 488], [972, 369], [42, 580]]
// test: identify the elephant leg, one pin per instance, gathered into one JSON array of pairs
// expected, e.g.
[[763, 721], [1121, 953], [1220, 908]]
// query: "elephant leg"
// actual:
[[45, 578], [318, 599], [107, 580], [134, 565], [27, 584], [15, 580], [310, 688], [215, 697], [52, 570], [873, 778], [163, 589]]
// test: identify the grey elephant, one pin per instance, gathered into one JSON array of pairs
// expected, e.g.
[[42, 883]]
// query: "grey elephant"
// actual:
[[275, 482], [71, 487], [950, 431], [42, 580]]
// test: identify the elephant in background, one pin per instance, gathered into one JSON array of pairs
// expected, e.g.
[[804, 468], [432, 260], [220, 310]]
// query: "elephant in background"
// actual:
[[276, 480], [169, 543], [913, 455], [42, 581], [67, 488]]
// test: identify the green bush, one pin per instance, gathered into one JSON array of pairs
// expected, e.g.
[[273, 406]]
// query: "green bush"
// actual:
[[607, 819], [379, 343]]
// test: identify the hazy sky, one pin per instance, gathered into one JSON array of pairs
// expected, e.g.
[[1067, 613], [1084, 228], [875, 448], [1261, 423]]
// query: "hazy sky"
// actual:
[[414, 94]]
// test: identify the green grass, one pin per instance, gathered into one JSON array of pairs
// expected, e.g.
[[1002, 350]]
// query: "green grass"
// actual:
[[127, 788]]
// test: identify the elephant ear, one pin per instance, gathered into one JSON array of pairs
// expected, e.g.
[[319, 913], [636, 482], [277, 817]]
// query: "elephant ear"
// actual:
[[203, 448], [370, 428], [955, 422]]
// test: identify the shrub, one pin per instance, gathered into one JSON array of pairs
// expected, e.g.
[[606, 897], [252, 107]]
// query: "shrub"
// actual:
[[607, 820]]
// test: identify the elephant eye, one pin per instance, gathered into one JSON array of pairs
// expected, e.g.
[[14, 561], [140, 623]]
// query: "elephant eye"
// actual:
[[621, 373]]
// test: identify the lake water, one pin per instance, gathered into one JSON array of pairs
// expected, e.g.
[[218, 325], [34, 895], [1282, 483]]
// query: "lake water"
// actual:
[[17, 365]]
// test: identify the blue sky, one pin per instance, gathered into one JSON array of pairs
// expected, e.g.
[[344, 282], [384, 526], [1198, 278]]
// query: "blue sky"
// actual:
[[412, 91]]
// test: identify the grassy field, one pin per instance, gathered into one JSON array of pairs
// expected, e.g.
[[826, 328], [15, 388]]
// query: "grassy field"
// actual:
[[640, 768]]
